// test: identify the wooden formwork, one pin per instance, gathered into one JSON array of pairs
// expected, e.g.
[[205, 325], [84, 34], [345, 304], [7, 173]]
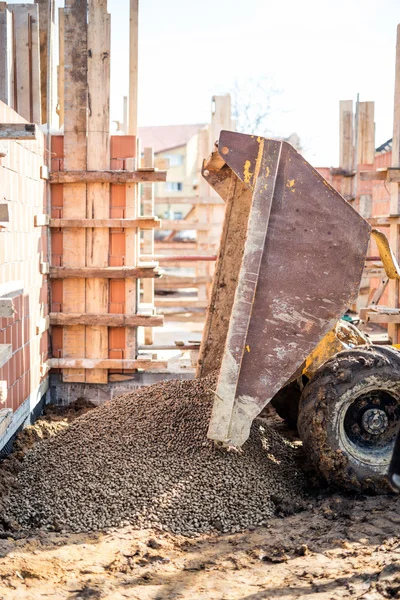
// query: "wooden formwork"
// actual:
[[95, 218]]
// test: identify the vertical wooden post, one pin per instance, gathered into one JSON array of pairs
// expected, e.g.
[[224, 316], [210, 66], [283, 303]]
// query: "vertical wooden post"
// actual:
[[131, 237], [75, 159], [148, 238], [98, 194], [394, 295], [46, 36], [6, 58], [365, 155], [346, 144], [27, 76], [133, 65], [60, 69]]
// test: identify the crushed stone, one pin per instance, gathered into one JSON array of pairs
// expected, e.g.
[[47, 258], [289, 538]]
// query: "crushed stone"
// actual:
[[144, 459]]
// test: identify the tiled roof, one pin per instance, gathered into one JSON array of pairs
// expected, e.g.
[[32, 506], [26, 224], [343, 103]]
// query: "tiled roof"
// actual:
[[386, 147], [166, 137]]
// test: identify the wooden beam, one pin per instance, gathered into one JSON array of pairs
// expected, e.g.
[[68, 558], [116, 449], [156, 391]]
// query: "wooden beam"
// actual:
[[108, 363], [186, 302], [106, 272], [389, 174], [75, 159], [183, 225], [60, 68], [27, 60], [148, 237], [140, 222], [7, 308], [133, 65], [172, 282], [107, 176], [107, 320], [18, 131], [46, 35], [7, 91], [98, 193], [194, 200], [366, 134], [5, 353]]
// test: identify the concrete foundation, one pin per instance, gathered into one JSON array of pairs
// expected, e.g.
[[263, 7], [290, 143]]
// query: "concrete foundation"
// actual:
[[66, 393]]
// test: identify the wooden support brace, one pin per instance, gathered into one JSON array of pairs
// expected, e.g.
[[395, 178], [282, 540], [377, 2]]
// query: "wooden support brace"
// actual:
[[107, 176], [140, 222], [103, 272], [7, 308], [5, 353], [108, 320], [107, 363], [18, 131]]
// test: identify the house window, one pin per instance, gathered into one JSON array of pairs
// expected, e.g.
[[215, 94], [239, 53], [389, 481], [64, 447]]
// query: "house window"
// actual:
[[173, 186], [175, 160], [178, 215]]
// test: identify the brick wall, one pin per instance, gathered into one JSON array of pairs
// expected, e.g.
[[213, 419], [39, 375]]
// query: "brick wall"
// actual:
[[23, 248]]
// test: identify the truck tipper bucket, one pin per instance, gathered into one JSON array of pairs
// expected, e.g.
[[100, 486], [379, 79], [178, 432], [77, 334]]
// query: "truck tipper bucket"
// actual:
[[290, 264]]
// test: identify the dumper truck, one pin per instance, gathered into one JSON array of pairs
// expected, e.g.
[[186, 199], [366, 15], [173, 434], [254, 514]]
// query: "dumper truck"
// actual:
[[290, 263]]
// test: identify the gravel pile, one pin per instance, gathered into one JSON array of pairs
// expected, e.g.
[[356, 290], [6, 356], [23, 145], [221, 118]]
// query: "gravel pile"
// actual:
[[144, 459]]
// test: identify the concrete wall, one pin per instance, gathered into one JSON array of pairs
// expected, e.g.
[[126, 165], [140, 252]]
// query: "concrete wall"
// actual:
[[23, 252]]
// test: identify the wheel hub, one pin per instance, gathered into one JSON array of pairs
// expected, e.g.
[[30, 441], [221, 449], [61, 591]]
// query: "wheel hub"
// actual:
[[375, 421]]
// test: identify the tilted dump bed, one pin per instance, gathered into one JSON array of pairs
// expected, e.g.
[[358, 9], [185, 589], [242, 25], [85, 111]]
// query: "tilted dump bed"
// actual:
[[290, 264]]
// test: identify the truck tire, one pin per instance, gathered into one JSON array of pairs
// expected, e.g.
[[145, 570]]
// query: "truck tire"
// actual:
[[286, 403], [349, 414]]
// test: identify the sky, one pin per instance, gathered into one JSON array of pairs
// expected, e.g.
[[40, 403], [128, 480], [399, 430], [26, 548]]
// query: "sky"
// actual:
[[315, 52]]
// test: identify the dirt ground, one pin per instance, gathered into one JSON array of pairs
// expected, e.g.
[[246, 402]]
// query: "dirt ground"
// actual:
[[338, 546]]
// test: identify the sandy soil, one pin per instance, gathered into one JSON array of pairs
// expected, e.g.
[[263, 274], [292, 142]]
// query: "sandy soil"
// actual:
[[339, 546]]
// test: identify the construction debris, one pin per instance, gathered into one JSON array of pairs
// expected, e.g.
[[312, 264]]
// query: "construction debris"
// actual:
[[144, 459]]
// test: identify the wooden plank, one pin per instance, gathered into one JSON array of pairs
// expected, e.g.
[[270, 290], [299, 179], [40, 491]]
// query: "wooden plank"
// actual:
[[140, 222], [194, 200], [366, 134], [107, 176], [60, 68], [107, 363], [5, 353], [106, 272], [108, 320], [27, 54], [7, 308], [185, 302], [394, 234], [173, 281], [7, 93], [18, 131], [183, 225], [4, 213], [47, 71], [133, 65], [75, 159], [98, 194], [346, 144], [148, 236], [378, 175]]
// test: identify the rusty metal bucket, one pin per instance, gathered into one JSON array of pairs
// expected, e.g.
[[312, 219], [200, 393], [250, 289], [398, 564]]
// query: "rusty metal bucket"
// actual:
[[290, 264]]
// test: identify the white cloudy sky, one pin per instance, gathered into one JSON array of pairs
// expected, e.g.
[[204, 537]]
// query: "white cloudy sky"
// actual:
[[316, 52]]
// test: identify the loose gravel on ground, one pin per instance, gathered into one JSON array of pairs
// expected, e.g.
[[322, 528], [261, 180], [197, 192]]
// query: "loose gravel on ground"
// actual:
[[144, 459]]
